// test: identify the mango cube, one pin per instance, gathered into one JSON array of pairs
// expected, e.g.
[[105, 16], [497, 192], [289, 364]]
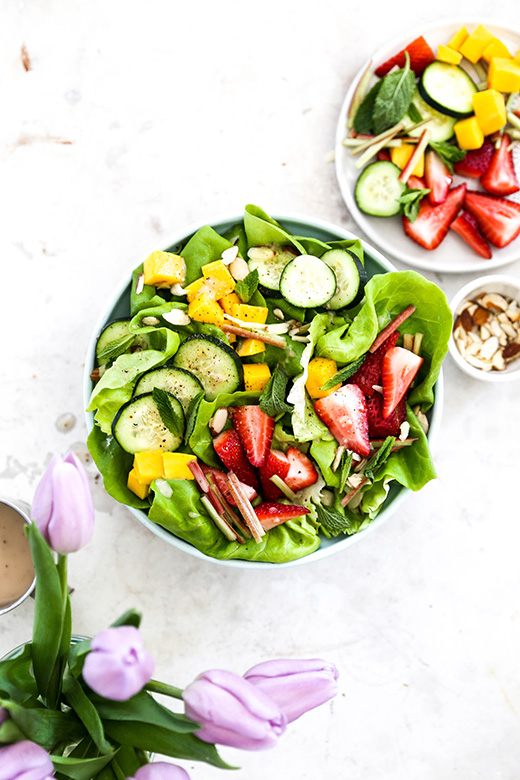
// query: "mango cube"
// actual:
[[490, 110], [320, 371], [228, 301], [211, 287], [218, 274], [449, 55], [401, 154], [175, 465], [140, 489], [162, 269], [148, 466], [247, 313], [458, 38], [249, 347], [474, 45], [495, 49], [469, 133], [256, 376], [517, 57], [504, 75], [205, 309]]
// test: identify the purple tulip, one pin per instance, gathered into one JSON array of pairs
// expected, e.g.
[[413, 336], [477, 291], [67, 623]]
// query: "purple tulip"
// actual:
[[118, 666], [63, 508], [233, 712], [295, 685], [25, 761], [160, 771]]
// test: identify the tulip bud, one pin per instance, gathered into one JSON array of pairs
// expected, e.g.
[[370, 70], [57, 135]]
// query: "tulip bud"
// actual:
[[62, 506], [160, 771], [295, 685], [232, 711], [25, 761], [117, 666]]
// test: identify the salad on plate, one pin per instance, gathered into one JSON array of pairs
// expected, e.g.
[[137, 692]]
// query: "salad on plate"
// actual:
[[264, 393]]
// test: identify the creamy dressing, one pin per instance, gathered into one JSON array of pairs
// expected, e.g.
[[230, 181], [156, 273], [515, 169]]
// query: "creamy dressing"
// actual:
[[16, 567]]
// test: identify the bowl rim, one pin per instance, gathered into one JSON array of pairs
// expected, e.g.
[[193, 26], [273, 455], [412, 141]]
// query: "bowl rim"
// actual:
[[23, 511], [323, 551]]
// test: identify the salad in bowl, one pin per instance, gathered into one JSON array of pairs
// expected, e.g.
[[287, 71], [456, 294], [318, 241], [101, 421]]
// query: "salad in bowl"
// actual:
[[263, 389]]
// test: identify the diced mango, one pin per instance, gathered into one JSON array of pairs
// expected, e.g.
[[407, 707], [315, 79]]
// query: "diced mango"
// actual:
[[474, 45], [231, 338], [469, 133], [162, 269], [256, 376], [228, 301], [401, 154], [495, 49], [249, 347], [243, 311], [490, 110], [148, 466], [175, 465], [218, 274], [458, 38], [446, 54], [320, 371], [517, 57], [504, 75], [202, 286], [205, 309], [139, 488]]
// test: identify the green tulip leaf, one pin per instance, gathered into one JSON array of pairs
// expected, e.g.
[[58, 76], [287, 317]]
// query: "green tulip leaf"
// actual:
[[80, 768], [45, 727], [16, 678], [129, 618], [78, 700], [143, 708]]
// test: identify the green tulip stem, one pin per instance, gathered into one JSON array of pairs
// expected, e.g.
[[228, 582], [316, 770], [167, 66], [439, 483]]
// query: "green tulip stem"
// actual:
[[154, 686], [62, 573], [117, 770]]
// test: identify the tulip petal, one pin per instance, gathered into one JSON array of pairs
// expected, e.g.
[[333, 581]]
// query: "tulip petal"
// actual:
[[118, 666], [161, 771], [25, 761], [71, 523], [42, 504]]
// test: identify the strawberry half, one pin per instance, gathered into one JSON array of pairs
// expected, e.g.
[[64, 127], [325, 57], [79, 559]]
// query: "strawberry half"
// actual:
[[498, 218], [301, 472], [400, 366], [276, 464], [230, 451], [433, 222], [383, 155], [476, 161], [378, 427], [369, 373], [255, 429], [467, 227], [221, 481], [420, 53], [344, 412], [500, 177], [271, 514], [438, 178], [416, 183]]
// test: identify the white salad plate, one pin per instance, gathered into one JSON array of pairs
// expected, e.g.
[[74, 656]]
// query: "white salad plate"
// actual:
[[453, 255], [118, 306]]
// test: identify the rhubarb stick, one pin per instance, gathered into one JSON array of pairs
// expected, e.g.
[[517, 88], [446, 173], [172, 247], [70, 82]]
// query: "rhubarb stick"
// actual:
[[391, 327], [200, 478], [219, 521], [253, 334], [345, 500], [416, 156], [245, 506]]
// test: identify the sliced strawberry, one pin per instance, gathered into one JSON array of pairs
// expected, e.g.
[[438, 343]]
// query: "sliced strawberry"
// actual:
[[383, 155], [467, 227], [378, 427], [255, 429], [271, 514], [498, 218], [221, 481], [500, 177], [433, 222], [400, 367], [276, 464], [416, 183], [230, 451], [369, 374], [420, 53], [344, 412], [476, 161], [301, 472], [438, 178]]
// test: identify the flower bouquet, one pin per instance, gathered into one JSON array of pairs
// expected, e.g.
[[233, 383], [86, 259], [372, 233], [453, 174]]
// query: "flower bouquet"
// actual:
[[84, 708]]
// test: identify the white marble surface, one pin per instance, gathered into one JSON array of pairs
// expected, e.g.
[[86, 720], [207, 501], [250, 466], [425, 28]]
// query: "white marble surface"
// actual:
[[135, 119]]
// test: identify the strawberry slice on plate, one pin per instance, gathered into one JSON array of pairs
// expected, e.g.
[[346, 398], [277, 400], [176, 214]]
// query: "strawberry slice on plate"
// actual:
[[221, 481], [271, 514], [230, 451], [433, 222], [276, 464], [255, 429], [476, 161], [438, 178], [369, 373], [378, 427], [420, 53], [500, 177], [416, 183], [498, 218], [400, 367], [301, 472], [344, 412], [467, 227]]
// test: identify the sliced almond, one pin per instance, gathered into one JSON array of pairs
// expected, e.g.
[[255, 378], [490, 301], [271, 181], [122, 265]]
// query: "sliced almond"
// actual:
[[149, 321], [229, 254], [260, 253], [217, 422], [489, 348], [176, 317]]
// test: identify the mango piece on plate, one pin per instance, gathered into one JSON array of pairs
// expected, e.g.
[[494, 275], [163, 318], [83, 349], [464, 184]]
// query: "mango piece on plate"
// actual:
[[247, 313], [228, 301], [490, 110], [469, 133], [148, 465], [474, 45], [256, 376], [320, 371], [162, 269], [504, 75], [401, 154], [249, 347], [458, 38], [495, 49], [449, 55]]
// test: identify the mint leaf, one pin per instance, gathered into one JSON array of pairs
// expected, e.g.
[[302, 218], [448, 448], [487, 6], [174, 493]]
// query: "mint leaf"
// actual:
[[393, 98], [246, 288], [345, 373], [363, 117], [410, 201], [272, 401], [448, 153], [191, 414], [169, 416], [334, 522], [414, 113], [115, 349], [380, 457], [344, 470]]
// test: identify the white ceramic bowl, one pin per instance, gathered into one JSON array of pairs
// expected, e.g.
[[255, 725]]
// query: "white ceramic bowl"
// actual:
[[118, 306], [503, 285]]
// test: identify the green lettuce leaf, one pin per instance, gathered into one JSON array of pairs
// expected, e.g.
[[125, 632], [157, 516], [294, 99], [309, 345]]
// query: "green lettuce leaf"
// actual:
[[306, 423], [261, 229]]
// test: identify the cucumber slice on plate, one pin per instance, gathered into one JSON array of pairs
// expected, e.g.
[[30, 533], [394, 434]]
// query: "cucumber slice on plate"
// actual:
[[270, 260], [138, 426], [378, 189], [448, 89], [441, 127], [217, 367], [181, 383], [307, 282], [350, 276], [118, 337]]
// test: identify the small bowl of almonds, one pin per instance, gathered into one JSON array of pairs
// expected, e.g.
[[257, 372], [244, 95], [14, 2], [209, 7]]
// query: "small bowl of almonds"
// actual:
[[485, 341]]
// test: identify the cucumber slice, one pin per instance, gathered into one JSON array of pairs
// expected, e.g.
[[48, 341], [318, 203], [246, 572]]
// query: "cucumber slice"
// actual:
[[378, 189], [448, 89], [270, 260], [118, 331], [307, 282], [138, 426], [215, 364], [351, 278], [441, 127], [181, 383]]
